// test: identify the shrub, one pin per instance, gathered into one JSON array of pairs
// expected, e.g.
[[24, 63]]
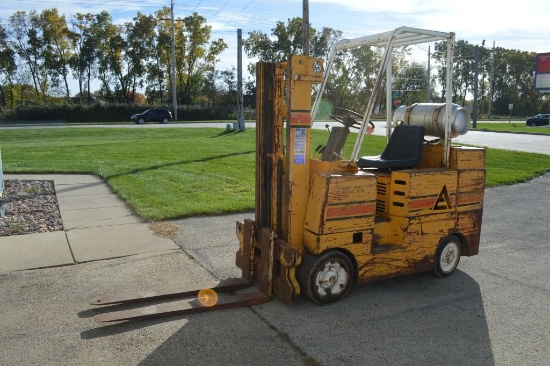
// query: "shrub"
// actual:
[[103, 112]]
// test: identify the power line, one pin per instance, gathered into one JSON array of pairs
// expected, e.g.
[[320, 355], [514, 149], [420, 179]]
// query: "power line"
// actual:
[[246, 6], [220, 9], [231, 15]]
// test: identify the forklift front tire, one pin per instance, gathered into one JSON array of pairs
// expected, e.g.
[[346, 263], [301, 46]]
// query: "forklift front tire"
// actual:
[[447, 256], [325, 278]]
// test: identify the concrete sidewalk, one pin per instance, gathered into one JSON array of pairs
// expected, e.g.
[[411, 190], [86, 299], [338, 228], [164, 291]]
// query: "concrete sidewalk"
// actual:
[[97, 225]]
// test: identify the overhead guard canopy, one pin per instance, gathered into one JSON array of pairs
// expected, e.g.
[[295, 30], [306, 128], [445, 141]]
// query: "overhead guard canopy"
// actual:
[[400, 37]]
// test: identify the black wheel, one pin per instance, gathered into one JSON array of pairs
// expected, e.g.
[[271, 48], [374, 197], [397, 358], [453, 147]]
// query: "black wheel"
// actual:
[[447, 256], [325, 278], [165, 121], [141, 121]]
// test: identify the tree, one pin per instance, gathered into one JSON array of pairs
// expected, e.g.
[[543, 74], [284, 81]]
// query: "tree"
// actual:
[[38, 51], [286, 40], [352, 78], [160, 65], [26, 39], [513, 82], [412, 83], [102, 32], [197, 55], [119, 63], [7, 66], [229, 81], [209, 90], [463, 68], [354, 73], [58, 43], [84, 53], [141, 38]]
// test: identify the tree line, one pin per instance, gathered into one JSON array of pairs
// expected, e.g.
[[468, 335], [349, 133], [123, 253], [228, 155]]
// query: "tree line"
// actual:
[[41, 52]]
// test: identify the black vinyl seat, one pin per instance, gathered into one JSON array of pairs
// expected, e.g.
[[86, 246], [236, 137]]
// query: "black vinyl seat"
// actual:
[[403, 151]]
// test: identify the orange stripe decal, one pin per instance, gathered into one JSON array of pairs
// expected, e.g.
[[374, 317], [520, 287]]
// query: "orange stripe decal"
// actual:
[[350, 210], [470, 198], [422, 203]]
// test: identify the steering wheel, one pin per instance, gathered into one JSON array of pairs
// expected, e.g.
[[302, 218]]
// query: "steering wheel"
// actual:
[[349, 121]]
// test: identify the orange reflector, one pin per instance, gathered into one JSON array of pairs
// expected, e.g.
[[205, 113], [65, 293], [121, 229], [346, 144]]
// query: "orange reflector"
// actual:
[[208, 297]]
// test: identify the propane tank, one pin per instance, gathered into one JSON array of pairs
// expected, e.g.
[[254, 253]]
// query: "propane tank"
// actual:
[[432, 117]]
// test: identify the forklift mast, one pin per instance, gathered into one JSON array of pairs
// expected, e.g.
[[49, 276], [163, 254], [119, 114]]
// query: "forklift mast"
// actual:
[[284, 94]]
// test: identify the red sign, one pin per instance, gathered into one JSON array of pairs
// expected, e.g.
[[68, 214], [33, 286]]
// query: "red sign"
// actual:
[[542, 72], [300, 118], [543, 62], [397, 102]]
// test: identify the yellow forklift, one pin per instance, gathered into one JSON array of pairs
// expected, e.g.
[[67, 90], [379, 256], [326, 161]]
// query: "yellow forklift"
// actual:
[[323, 222]]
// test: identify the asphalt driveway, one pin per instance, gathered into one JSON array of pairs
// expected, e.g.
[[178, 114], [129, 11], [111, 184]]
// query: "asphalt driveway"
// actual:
[[492, 311]]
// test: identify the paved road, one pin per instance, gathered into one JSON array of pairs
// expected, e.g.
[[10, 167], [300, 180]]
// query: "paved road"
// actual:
[[507, 141], [535, 143]]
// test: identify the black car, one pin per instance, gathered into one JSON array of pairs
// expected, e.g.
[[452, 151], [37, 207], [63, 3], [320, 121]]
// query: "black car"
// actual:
[[159, 115], [538, 120]]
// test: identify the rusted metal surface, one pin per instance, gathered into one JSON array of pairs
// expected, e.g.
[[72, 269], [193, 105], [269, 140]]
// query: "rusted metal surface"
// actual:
[[393, 264], [264, 260], [470, 227], [229, 284], [248, 250], [208, 302], [340, 202], [265, 137], [286, 259]]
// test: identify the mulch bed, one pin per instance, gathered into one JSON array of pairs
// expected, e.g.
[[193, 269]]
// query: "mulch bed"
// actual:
[[29, 206]]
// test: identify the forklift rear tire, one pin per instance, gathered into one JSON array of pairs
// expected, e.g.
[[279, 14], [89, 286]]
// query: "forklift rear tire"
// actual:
[[447, 256], [325, 278]]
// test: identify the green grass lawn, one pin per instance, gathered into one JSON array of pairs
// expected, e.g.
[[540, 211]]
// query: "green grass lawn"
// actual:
[[514, 126], [178, 172]]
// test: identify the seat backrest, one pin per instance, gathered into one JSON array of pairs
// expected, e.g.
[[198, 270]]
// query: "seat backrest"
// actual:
[[403, 151], [405, 143]]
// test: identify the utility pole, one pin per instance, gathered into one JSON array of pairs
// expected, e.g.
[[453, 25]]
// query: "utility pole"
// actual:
[[240, 119], [305, 26], [174, 98], [428, 96], [492, 81], [474, 109]]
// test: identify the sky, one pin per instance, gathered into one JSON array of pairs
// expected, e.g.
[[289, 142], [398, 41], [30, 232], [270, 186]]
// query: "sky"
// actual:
[[521, 25]]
